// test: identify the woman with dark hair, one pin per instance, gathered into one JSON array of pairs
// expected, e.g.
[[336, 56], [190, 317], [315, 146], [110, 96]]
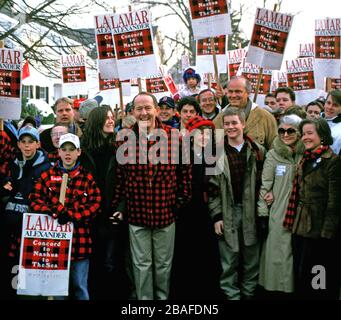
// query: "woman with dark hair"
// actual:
[[196, 266], [313, 214], [98, 157]]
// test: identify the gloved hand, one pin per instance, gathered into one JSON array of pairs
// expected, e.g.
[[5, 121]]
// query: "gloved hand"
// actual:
[[63, 217], [262, 226]]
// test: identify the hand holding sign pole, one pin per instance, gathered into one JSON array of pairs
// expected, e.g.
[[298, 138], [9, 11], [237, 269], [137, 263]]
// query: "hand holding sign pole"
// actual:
[[63, 188]]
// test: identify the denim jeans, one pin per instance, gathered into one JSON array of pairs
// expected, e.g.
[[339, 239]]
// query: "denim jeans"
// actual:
[[78, 280]]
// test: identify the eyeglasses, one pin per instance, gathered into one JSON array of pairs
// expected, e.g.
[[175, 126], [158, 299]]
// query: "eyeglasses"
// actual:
[[57, 134], [289, 131]]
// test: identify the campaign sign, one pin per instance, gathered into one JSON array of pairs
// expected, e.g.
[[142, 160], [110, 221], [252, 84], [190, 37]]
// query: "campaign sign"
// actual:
[[133, 40], [210, 18], [269, 37], [105, 47], [45, 256], [10, 83]]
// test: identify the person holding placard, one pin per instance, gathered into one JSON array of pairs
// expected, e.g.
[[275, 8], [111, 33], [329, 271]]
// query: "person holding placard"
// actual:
[[82, 201]]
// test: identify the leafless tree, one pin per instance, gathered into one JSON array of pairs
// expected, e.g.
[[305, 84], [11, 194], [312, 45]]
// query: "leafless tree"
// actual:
[[45, 31]]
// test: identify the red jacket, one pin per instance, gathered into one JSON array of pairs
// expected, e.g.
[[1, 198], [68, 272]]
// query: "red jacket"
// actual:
[[82, 201], [153, 192]]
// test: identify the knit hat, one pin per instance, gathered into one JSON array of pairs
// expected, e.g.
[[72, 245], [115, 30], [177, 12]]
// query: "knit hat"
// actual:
[[190, 73], [29, 131], [197, 122], [168, 101], [86, 107]]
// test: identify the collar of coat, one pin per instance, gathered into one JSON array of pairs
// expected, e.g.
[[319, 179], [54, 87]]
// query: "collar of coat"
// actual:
[[285, 151]]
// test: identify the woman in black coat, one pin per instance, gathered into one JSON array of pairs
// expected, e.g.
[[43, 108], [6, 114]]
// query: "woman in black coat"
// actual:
[[107, 270], [196, 266]]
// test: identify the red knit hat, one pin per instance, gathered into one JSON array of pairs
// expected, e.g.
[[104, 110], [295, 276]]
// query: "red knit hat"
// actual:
[[197, 122]]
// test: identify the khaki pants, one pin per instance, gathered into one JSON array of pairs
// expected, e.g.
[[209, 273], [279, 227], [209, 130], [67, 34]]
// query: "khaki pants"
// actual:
[[152, 255], [239, 278]]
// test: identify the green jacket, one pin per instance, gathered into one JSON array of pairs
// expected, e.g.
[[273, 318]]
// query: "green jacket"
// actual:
[[221, 197], [276, 264]]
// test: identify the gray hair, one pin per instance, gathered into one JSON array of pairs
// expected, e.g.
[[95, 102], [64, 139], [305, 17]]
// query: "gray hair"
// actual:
[[291, 120]]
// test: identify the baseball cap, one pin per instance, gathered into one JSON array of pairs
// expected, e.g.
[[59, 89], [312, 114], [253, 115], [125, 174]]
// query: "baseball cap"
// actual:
[[69, 137], [168, 101], [30, 131]]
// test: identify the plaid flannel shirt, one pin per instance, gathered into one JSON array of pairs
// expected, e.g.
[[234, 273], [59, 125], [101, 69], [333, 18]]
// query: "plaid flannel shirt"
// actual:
[[82, 201], [153, 192], [7, 152]]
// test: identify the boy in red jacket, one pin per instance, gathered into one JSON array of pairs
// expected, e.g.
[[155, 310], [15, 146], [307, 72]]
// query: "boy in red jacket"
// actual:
[[82, 201]]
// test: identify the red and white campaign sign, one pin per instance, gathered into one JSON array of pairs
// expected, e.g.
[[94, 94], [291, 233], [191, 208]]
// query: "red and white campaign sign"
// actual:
[[306, 50], [74, 74], [210, 18], [45, 256], [105, 47], [327, 49], [269, 38], [106, 84], [10, 83], [278, 80], [171, 85], [301, 78], [234, 59], [156, 86], [251, 72], [133, 40], [205, 79], [204, 59], [73, 68]]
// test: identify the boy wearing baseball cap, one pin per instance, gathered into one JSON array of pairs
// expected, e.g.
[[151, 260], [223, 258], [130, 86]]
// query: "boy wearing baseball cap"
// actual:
[[18, 179], [82, 201], [166, 112]]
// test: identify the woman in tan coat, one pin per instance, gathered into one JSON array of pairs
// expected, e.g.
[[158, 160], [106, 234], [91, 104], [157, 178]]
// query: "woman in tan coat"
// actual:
[[276, 265]]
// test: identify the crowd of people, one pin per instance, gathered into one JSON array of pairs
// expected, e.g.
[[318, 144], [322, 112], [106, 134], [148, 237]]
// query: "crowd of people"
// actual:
[[244, 215]]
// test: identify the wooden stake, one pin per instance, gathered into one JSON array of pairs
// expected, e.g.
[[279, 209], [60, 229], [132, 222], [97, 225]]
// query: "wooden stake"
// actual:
[[121, 97], [209, 80], [63, 188], [216, 74], [260, 75], [328, 84], [139, 82]]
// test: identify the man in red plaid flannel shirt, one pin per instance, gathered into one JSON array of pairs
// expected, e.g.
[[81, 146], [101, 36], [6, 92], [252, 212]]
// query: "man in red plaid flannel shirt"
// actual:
[[153, 192], [82, 201]]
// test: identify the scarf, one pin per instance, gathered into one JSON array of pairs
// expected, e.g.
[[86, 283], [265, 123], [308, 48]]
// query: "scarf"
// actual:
[[293, 200]]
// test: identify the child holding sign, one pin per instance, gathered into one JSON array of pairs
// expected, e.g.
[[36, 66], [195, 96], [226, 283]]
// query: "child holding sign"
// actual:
[[82, 201]]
